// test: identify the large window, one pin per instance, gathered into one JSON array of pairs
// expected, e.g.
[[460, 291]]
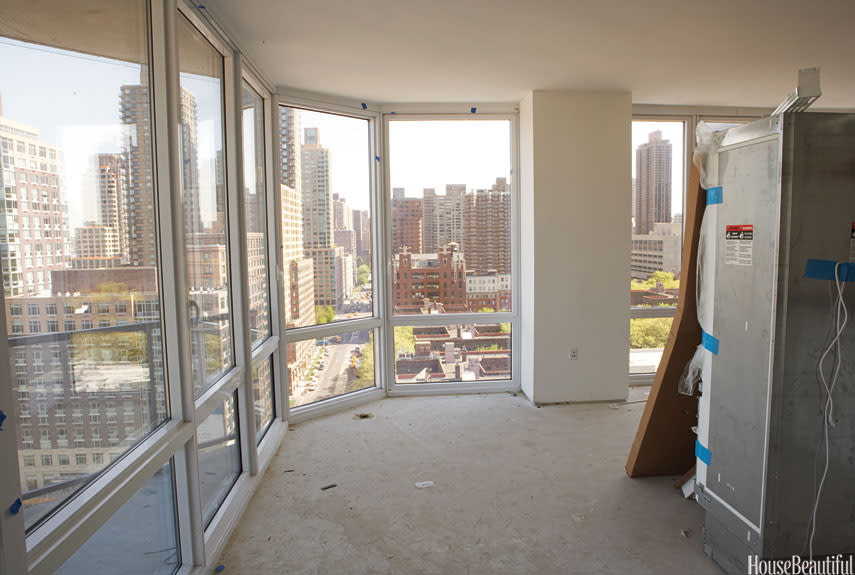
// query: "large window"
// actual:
[[137, 227], [205, 211], [452, 248], [325, 177], [658, 167], [79, 249]]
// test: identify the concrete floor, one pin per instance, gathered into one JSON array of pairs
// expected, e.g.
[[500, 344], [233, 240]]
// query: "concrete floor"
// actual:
[[517, 490]]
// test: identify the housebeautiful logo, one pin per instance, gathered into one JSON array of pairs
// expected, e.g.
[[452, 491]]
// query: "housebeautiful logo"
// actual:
[[836, 565]]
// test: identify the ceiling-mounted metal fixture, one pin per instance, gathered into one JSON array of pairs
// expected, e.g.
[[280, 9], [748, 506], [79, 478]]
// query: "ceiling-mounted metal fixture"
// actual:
[[806, 94]]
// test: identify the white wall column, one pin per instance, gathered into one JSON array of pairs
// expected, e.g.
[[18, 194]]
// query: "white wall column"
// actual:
[[575, 209]]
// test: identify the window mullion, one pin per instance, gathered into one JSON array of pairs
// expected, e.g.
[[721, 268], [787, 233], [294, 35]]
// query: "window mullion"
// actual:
[[239, 281], [166, 91]]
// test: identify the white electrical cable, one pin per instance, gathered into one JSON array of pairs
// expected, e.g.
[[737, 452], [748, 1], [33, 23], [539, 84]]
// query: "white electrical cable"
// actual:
[[829, 390]]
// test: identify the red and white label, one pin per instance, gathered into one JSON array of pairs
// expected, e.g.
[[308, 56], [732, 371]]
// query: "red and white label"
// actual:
[[739, 244]]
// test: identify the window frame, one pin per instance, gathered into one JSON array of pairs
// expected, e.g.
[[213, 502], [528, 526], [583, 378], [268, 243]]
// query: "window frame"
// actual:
[[453, 113], [690, 116], [377, 321], [49, 545]]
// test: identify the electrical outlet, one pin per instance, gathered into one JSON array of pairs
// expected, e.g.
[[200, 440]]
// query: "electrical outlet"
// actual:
[[574, 353]]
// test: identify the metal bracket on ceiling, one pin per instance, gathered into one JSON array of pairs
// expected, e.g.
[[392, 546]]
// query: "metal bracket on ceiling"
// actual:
[[806, 93]]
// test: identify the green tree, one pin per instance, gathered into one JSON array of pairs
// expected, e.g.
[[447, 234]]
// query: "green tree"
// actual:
[[324, 314], [363, 274], [667, 279], [405, 341], [649, 333], [364, 374]]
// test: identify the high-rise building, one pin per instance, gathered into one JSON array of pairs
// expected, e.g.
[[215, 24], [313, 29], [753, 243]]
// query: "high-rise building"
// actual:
[[193, 223], [318, 218], [290, 155], [653, 183], [407, 216], [95, 247], [112, 187], [487, 229], [442, 219], [34, 235], [362, 228], [342, 214], [140, 231]]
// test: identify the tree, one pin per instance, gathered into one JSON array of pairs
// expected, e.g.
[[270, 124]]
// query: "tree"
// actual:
[[649, 333], [364, 374], [363, 274], [324, 314], [667, 279], [405, 341]]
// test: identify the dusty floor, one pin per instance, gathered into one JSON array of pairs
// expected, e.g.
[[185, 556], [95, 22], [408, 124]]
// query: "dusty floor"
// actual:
[[517, 490]]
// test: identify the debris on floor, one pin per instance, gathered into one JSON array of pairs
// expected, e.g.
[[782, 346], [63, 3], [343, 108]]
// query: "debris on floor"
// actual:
[[686, 533], [424, 484], [219, 568], [578, 518], [288, 471], [363, 415], [330, 486]]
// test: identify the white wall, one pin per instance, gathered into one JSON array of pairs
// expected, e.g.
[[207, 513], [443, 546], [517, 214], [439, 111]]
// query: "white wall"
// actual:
[[575, 164]]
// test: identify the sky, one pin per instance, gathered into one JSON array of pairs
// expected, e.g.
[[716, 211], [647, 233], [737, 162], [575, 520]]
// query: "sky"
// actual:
[[672, 131], [431, 154]]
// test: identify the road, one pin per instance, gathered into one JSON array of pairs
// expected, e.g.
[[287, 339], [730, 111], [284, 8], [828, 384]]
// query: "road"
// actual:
[[332, 379]]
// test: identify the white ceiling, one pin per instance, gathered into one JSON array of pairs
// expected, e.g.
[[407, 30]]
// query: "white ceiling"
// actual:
[[711, 52]]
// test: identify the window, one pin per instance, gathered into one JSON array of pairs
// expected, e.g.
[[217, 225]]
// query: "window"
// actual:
[[262, 393], [80, 458], [47, 460], [219, 456], [256, 214], [452, 249], [95, 131], [15, 310], [205, 210], [141, 536], [658, 152], [325, 169]]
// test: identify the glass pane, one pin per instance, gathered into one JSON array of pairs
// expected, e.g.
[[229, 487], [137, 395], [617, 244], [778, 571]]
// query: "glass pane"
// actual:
[[657, 233], [452, 353], [647, 337], [262, 393], [219, 456], [79, 253], [256, 214], [330, 366], [203, 190], [139, 539], [451, 216], [326, 217]]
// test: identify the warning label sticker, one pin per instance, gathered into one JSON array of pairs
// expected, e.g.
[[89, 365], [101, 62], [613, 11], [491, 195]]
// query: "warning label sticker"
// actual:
[[739, 245]]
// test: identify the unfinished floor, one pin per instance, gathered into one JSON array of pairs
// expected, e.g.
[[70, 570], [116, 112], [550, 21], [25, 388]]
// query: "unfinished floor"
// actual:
[[517, 490]]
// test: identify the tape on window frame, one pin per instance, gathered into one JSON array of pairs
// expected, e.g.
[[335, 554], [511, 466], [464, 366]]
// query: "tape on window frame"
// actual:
[[702, 452], [714, 195], [709, 342]]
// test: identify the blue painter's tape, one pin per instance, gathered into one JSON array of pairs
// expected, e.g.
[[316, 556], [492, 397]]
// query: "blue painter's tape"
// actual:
[[377, 158], [2, 419], [702, 452], [364, 106], [714, 195], [824, 270], [473, 109], [16, 506], [710, 342]]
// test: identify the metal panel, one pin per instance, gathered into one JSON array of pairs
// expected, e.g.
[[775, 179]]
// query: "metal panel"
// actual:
[[818, 218], [743, 314]]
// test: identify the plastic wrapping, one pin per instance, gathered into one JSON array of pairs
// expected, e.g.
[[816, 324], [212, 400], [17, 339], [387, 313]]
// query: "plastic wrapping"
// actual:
[[705, 271], [705, 156], [692, 373]]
